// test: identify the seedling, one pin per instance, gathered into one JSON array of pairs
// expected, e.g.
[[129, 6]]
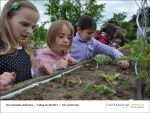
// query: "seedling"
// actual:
[[76, 80], [101, 59], [103, 89], [111, 78]]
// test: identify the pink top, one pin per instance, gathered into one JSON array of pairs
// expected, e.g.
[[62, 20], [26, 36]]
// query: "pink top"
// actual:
[[48, 56]]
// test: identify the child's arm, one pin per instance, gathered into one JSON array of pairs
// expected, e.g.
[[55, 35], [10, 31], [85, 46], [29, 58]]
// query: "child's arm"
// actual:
[[6, 80], [113, 53], [107, 50]]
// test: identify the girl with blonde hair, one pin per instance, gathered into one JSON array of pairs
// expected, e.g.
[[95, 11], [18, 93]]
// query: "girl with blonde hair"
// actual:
[[17, 21], [56, 55]]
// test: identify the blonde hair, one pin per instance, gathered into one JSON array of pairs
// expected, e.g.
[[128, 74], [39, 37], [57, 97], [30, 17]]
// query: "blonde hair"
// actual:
[[5, 32], [55, 30]]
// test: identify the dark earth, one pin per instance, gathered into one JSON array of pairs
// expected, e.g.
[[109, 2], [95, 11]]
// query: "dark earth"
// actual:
[[72, 86]]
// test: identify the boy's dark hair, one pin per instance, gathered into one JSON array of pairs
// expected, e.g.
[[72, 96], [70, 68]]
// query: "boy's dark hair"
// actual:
[[86, 22], [109, 30]]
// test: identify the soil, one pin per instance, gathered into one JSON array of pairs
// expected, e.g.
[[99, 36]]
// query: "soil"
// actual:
[[71, 86]]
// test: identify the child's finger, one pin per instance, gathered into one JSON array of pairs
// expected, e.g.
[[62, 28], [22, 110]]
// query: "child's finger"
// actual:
[[49, 70], [9, 75], [6, 87], [46, 69], [6, 80], [13, 74]]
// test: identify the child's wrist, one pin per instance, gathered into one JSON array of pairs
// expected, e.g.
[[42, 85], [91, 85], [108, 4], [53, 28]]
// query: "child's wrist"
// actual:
[[55, 67]]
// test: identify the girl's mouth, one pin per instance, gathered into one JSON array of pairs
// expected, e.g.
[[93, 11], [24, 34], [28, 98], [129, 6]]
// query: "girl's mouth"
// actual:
[[25, 36], [64, 46]]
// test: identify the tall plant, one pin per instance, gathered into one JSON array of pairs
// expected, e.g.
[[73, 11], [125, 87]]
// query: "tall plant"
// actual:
[[71, 10], [39, 36]]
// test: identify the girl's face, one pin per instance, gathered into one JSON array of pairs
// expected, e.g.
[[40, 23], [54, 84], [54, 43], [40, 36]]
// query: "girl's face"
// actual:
[[86, 34], [22, 24], [63, 39]]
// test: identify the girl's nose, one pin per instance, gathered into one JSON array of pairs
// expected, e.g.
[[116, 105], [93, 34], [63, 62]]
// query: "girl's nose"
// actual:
[[65, 39], [30, 30]]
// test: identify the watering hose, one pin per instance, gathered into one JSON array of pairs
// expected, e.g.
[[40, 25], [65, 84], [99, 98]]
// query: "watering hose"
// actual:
[[138, 83]]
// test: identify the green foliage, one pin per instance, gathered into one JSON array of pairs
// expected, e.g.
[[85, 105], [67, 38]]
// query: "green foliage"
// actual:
[[123, 58], [39, 35], [106, 90], [101, 58], [129, 27], [119, 17], [93, 9], [89, 88], [147, 82], [111, 78], [103, 89], [71, 10], [143, 60]]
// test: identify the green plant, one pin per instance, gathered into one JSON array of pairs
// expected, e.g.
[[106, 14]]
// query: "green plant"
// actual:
[[111, 78], [142, 59], [71, 10], [39, 35], [101, 59], [103, 89]]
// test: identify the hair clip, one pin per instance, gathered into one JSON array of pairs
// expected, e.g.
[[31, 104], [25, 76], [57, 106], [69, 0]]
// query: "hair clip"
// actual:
[[15, 6]]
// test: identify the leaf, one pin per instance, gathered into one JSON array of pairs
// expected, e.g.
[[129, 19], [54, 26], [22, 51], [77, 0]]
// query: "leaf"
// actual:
[[89, 88], [105, 90], [111, 78], [108, 90], [101, 58]]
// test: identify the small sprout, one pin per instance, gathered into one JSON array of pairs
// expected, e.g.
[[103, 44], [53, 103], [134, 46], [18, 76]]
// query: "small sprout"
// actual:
[[89, 88], [111, 78], [101, 59], [99, 89], [108, 90], [79, 80], [76, 80]]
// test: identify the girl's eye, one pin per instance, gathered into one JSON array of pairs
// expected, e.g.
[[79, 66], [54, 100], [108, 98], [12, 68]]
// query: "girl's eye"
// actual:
[[69, 37], [89, 33], [61, 36], [25, 24]]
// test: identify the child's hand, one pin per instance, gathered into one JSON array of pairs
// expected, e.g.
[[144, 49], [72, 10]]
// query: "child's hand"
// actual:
[[124, 64], [115, 45], [62, 64], [72, 62], [7, 80], [45, 68]]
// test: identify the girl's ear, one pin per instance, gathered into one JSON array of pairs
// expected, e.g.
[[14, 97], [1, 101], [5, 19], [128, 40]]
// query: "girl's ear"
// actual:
[[78, 29]]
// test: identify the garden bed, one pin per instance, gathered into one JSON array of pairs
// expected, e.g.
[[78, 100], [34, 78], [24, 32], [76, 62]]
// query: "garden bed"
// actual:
[[79, 84]]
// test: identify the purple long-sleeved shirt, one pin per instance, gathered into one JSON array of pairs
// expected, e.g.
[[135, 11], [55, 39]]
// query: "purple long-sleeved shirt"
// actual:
[[82, 50]]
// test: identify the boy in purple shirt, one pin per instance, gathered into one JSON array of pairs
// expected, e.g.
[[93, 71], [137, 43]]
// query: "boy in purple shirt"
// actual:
[[84, 45]]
